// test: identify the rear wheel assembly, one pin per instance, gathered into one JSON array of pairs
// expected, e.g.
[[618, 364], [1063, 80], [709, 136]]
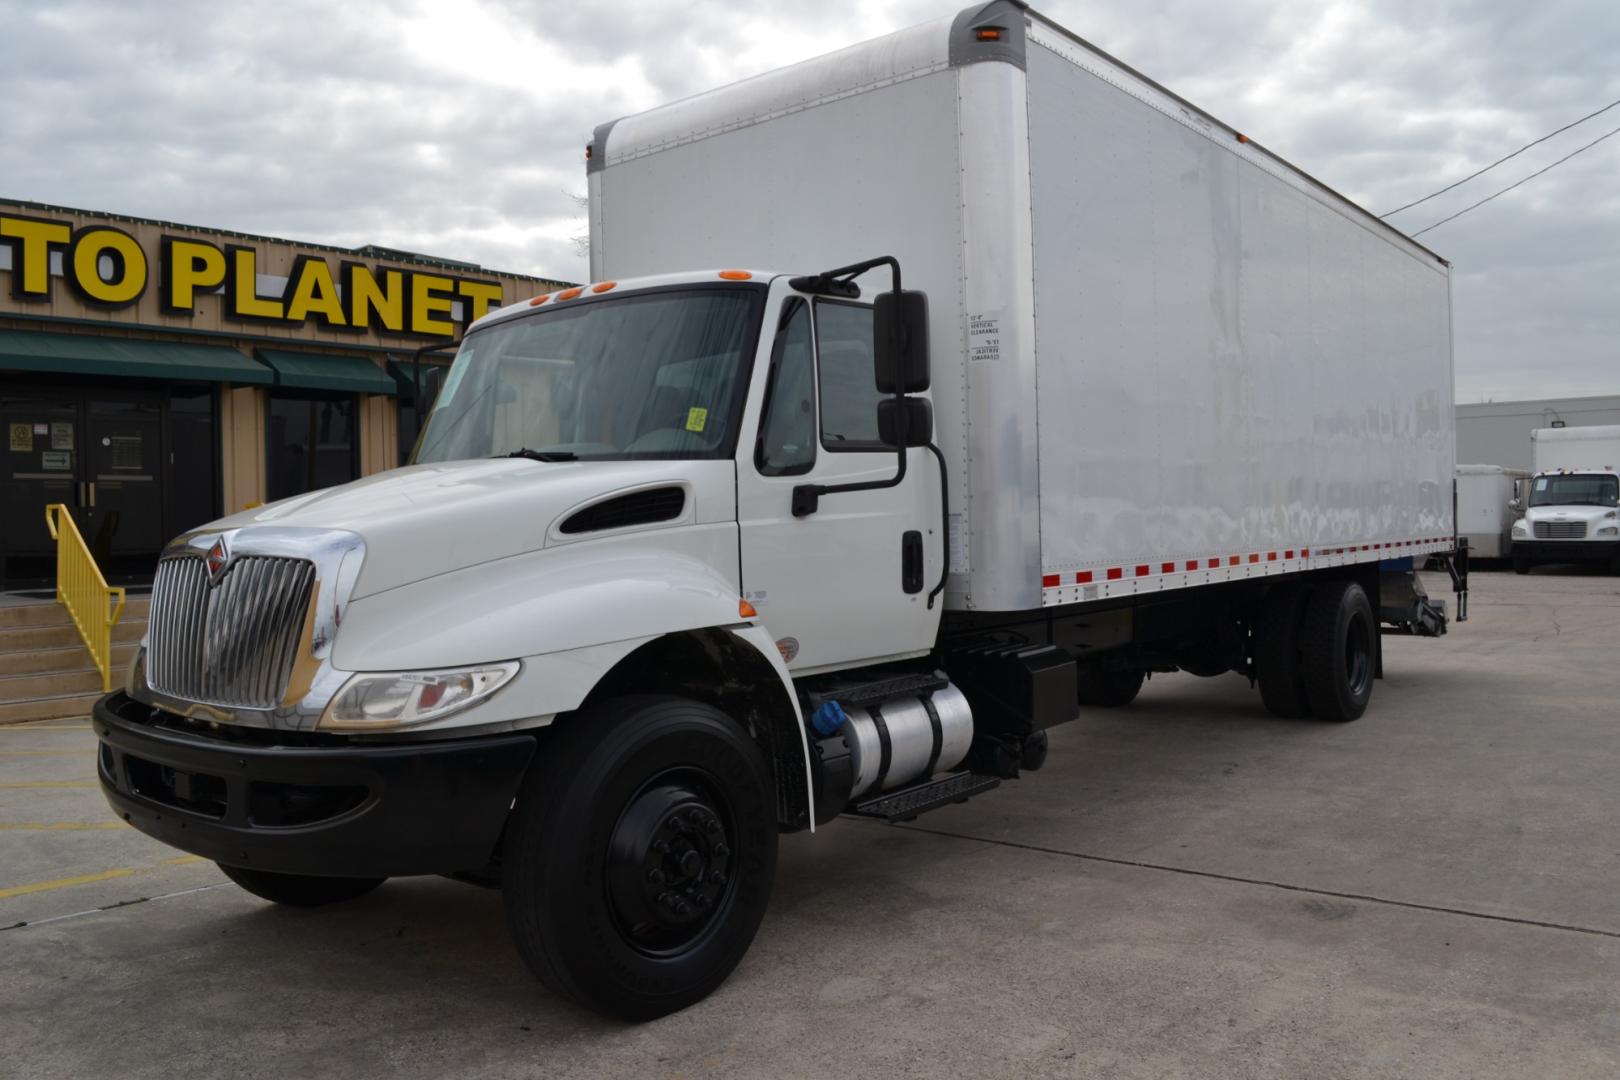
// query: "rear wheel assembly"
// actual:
[[1277, 653], [1339, 650]]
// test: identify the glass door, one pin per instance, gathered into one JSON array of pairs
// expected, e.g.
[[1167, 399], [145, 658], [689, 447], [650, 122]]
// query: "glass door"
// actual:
[[41, 466], [122, 519]]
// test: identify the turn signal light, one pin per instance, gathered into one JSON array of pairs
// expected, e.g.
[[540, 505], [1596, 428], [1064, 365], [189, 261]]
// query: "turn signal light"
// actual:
[[746, 610], [988, 33]]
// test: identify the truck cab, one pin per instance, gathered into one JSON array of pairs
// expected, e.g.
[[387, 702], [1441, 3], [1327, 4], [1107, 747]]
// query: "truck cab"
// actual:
[[1571, 505]]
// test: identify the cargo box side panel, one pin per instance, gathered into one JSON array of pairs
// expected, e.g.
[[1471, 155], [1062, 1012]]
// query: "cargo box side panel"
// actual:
[[1233, 370], [870, 172]]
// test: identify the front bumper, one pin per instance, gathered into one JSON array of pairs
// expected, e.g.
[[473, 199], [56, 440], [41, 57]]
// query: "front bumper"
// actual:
[[1547, 551], [328, 808]]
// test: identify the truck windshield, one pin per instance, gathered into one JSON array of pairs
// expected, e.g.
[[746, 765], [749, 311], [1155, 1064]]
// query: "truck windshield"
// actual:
[[1575, 491], [655, 375]]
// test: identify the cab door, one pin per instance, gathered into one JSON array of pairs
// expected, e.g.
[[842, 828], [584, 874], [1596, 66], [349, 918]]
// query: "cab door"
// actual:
[[848, 583]]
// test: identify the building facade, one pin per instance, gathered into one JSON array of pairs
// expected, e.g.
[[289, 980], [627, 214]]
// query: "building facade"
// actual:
[[154, 376], [1498, 432]]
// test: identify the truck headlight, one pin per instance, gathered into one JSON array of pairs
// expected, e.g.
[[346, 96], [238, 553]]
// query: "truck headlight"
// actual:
[[1609, 530], [1519, 528], [396, 699]]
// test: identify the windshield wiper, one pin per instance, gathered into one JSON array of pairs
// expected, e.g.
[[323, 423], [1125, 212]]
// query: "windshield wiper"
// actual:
[[544, 455]]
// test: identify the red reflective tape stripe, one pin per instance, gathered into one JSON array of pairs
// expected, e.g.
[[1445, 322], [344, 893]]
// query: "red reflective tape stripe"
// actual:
[[1115, 573], [1254, 557], [1192, 564], [1167, 568], [1304, 553], [1049, 581], [1363, 547], [1083, 577], [1142, 571], [1233, 560], [1271, 556], [1289, 554]]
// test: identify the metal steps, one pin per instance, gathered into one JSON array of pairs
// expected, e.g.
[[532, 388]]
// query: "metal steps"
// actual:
[[906, 803]]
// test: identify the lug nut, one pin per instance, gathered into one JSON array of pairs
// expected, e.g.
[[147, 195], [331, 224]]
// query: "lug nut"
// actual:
[[716, 878], [721, 850], [682, 908], [712, 825], [661, 847], [656, 876]]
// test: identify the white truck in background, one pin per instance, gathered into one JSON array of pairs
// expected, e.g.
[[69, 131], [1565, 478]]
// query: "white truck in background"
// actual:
[[1486, 495], [1014, 379], [1572, 506]]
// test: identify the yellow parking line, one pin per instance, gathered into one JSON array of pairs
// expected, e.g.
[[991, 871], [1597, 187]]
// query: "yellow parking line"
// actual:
[[52, 784], [88, 879], [53, 826]]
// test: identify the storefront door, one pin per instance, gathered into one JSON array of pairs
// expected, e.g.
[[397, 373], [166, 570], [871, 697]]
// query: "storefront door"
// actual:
[[101, 453]]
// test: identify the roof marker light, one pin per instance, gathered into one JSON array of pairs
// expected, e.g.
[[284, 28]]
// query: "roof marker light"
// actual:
[[736, 275], [988, 33], [569, 294], [542, 298], [603, 286]]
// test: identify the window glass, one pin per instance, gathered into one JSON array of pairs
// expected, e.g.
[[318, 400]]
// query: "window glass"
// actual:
[[787, 438], [311, 443], [409, 429], [849, 396], [1576, 490], [654, 375]]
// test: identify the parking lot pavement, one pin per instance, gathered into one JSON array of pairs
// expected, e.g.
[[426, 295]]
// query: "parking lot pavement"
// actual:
[[1188, 888]]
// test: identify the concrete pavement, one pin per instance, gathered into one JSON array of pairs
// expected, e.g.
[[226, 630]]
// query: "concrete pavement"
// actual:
[[1189, 888]]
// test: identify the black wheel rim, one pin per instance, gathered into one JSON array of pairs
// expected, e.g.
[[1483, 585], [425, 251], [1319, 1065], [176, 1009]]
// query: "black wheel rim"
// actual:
[[672, 863], [1357, 655]]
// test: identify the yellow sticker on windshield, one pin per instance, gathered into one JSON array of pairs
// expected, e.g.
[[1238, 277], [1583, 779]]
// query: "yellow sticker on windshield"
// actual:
[[696, 418]]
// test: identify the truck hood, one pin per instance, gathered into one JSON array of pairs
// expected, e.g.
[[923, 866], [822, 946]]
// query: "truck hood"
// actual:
[[1593, 516], [424, 520]]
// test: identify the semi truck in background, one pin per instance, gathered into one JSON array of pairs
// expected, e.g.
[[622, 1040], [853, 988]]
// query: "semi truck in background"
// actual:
[[1486, 496], [1571, 510], [925, 393]]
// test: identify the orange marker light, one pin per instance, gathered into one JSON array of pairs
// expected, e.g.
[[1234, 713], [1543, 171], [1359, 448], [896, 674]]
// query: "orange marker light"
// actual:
[[746, 610], [736, 275], [603, 286], [989, 33], [542, 298], [569, 294]]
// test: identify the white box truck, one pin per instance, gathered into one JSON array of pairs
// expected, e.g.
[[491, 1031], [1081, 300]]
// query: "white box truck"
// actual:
[[1572, 511], [1004, 379], [1485, 514]]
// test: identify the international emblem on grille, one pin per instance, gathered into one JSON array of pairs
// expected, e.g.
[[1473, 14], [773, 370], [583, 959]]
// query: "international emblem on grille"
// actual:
[[218, 558]]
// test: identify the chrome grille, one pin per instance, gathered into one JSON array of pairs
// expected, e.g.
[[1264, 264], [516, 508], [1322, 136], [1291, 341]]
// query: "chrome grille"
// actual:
[[1560, 530], [231, 643]]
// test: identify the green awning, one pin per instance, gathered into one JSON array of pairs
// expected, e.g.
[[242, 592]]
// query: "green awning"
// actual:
[[326, 371], [433, 372], [83, 354]]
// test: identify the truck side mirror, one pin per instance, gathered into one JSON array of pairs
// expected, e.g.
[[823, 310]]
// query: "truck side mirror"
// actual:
[[900, 346], [1515, 505], [919, 420]]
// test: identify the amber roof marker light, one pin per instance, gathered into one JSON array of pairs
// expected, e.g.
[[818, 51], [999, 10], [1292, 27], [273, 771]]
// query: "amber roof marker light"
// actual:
[[569, 294], [542, 298], [736, 275], [603, 286]]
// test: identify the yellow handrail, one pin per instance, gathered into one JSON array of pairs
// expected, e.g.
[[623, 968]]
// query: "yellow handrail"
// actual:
[[81, 587]]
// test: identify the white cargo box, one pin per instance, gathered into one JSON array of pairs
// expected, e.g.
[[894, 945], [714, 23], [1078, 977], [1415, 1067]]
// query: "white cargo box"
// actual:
[[1163, 357], [1595, 447], [1484, 516]]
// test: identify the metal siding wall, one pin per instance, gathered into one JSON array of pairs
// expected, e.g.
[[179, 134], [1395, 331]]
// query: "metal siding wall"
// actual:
[[1226, 363]]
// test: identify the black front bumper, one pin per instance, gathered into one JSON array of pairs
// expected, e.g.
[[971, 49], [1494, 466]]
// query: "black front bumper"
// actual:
[[1549, 551], [328, 808]]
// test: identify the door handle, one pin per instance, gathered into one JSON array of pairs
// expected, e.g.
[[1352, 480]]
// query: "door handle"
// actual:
[[911, 561], [92, 486]]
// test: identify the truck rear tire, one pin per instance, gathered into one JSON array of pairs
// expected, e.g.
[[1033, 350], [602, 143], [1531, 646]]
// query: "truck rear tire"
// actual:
[[1338, 651], [1108, 688], [1521, 564], [640, 855], [299, 890], [1277, 665]]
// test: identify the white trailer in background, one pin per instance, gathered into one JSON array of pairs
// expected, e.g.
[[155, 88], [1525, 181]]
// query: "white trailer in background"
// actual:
[[744, 535], [1572, 503], [1485, 514]]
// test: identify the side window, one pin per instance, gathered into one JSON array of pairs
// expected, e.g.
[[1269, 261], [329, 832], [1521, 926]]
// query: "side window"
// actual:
[[849, 396], [787, 436]]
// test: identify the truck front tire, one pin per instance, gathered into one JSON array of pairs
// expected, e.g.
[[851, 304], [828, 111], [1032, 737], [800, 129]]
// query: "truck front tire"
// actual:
[[640, 855], [1338, 650], [299, 890]]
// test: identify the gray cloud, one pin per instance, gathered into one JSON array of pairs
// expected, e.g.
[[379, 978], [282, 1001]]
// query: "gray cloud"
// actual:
[[459, 129]]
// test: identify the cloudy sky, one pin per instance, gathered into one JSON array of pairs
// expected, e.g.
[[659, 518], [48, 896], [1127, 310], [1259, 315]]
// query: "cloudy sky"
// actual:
[[458, 128]]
